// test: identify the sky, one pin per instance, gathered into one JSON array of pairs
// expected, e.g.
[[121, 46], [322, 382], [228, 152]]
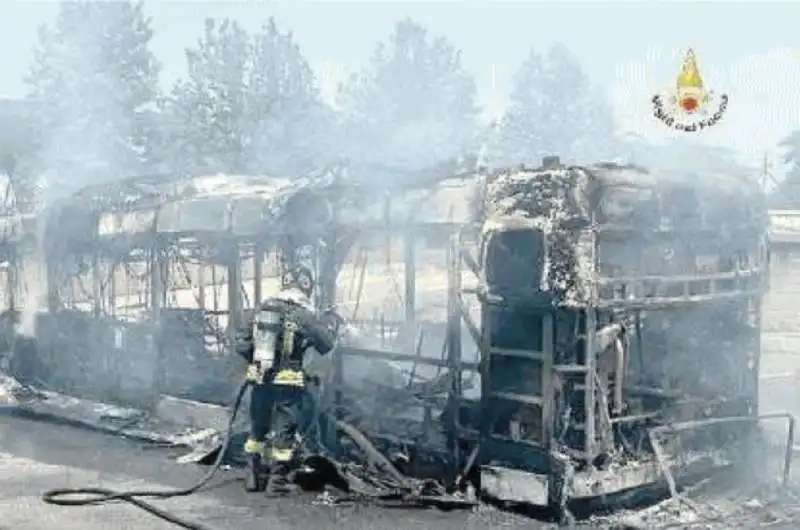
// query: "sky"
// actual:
[[748, 50]]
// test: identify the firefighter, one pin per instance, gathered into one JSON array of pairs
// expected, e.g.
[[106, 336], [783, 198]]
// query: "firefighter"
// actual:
[[274, 344]]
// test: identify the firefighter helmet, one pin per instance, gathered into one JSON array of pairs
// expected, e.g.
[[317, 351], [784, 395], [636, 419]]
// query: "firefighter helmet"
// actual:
[[300, 278]]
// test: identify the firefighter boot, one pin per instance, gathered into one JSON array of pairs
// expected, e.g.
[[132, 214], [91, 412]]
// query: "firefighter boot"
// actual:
[[257, 474]]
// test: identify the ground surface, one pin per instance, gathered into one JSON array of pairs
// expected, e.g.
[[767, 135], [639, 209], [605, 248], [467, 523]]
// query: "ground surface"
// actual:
[[38, 456]]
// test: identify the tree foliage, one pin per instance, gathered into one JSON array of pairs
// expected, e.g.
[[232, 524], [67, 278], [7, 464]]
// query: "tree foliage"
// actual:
[[413, 106], [248, 104], [554, 110], [91, 84]]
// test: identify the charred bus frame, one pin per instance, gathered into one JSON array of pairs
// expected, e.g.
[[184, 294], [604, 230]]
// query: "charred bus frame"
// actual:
[[160, 225], [155, 222], [550, 471]]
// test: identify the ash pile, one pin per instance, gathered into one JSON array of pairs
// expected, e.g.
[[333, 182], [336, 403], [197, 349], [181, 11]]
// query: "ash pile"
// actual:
[[758, 492], [778, 509]]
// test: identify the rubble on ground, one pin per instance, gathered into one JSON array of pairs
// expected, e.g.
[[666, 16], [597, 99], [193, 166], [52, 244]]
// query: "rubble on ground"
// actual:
[[775, 511], [150, 426]]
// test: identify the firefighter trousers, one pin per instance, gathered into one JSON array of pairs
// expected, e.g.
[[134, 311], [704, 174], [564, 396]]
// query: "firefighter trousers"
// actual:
[[277, 412]]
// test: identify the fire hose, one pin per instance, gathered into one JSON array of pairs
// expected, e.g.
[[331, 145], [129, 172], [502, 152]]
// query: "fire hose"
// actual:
[[90, 496], [404, 490]]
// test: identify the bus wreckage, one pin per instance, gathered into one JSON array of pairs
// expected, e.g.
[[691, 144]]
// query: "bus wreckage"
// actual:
[[619, 330], [609, 317]]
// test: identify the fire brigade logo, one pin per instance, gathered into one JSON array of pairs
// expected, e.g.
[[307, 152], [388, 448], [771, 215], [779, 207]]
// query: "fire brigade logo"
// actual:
[[691, 107]]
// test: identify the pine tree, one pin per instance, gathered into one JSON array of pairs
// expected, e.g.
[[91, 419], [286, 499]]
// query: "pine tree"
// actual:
[[207, 109], [92, 81], [288, 122], [248, 104], [555, 110], [414, 106]]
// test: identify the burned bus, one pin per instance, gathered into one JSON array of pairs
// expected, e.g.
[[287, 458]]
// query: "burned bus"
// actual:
[[619, 327], [612, 309]]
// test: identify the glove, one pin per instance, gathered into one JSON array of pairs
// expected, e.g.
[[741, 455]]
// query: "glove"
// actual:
[[253, 373], [332, 320], [318, 331]]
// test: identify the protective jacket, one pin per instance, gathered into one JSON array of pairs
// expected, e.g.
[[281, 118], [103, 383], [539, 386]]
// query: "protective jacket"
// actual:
[[283, 328]]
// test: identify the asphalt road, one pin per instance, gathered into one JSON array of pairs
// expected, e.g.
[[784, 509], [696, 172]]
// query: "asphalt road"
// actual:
[[37, 456]]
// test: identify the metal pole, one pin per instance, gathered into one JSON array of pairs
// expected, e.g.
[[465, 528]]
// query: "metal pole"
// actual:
[[329, 272], [589, 382], [454, 348], [234, 266], [410, 277], [112, 290], [639, 343], [12, 277], [548, 392], [755, 312], [387, 220], [590, 328], [155, 273], [258, 274], [201, 284], [156, 288], [52, 274], [97, 285]]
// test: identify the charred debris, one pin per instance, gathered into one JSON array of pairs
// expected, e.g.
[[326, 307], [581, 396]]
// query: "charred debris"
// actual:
[[600, 332]]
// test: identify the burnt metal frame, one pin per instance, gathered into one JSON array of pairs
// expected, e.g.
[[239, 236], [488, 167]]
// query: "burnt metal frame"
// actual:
[[152, 248], [452, 362], [18, 238], [626, 294]]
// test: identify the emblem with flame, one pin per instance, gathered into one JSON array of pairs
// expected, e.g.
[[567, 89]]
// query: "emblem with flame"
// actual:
[[690, 107]]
